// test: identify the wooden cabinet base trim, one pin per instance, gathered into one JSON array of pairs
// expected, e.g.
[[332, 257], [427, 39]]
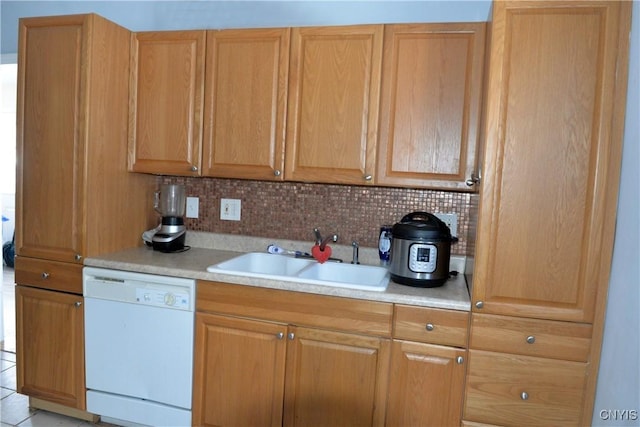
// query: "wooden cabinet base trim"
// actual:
[[34, 402]]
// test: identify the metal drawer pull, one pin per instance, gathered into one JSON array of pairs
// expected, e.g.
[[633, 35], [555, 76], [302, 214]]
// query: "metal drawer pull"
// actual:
[[291, 335], [531, 339], [479, 304], [280, 335], [460, 360], [429, 327], [78, 303], [45, 275], [524, 395]]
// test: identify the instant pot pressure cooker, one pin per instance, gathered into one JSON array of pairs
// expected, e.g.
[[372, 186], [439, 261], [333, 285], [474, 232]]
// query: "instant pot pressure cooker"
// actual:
[[420, 250]]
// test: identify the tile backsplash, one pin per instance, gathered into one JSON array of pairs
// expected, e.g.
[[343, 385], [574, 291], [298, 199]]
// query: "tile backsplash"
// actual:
[[291, 210]]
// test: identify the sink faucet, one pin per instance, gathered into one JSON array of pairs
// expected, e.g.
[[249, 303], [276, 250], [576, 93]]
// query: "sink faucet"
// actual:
[[355, 259], [323, 242]]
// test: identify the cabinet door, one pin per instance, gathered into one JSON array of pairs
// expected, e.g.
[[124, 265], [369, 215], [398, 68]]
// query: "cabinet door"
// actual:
[[50, 346], [165, 102], [426, 384], [334, 87], [554, 117], [246, 95], [430, 104], [50, 141], [335, 379], [238, 372]]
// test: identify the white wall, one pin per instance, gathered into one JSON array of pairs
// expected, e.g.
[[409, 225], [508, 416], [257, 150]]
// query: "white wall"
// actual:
[[8, 148]]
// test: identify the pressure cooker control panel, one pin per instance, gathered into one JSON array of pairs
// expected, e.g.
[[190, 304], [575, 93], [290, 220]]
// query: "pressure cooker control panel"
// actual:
[[422, 258]]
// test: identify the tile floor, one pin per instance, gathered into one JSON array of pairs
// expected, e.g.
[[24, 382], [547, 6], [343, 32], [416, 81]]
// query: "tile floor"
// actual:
[[14, 407]]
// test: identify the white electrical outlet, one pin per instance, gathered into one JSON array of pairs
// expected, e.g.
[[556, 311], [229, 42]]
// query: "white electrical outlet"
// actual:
[[451, 219], [230, 209], [192, 207]]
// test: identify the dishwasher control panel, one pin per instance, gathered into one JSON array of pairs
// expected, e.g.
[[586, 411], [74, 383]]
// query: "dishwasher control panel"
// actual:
[[161, 298], [139, 288]]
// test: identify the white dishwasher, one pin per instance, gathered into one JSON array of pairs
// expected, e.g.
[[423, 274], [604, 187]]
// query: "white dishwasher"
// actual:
[[139, 332]]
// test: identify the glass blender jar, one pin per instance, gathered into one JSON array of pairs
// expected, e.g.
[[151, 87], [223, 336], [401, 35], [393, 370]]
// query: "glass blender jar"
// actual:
[[170, 203]]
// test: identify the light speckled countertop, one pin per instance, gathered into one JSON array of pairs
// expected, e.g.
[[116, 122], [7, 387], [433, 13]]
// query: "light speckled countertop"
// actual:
[[208, 249]]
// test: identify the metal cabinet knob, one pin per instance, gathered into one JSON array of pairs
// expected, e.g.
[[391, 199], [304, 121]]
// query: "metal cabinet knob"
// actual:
[[524, 395], [459, 360], [368, 177], [429, 327], [78, 257], [531, 339], [45, 275], [78, 303], [280, 335], [194, 168], [277, 172], [473, 180], [291, 335], [479, 304]]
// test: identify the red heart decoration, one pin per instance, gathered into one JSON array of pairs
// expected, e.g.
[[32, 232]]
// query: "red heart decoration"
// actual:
[[321, 255]]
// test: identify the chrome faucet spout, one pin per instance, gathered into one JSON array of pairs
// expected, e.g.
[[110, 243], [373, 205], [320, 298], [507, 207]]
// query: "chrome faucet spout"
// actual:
[[323, 242], [326, 240]]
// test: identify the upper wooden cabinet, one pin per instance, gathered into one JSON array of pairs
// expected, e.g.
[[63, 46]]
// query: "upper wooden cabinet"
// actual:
[[74, 196], [166, 102], [246, 96], [554, 120], [430, 105], [334, 86]]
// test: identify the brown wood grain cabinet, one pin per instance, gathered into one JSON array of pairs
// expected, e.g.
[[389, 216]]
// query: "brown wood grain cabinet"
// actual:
[[238, 371], [334, 89], [302, 104], [554, 116], [426, 384], [263, 358], [428, 365], [74, 195], [320, 360], [246, 96], [166, 102], [430, 105], [50, 345]]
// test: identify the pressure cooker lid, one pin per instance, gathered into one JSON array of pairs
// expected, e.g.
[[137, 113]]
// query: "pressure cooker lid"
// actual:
[[421, 225]]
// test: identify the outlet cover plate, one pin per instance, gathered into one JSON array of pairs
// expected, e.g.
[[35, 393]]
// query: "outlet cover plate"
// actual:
[[451, 219], [192, 207], [230, 209]]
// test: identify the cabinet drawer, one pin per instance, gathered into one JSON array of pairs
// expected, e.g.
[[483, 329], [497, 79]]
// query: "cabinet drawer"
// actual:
[[531, 337], [505, 389], [53, 275], [431, 325]]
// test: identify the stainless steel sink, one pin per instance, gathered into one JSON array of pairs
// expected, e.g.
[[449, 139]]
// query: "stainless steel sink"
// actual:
[[280, 267]]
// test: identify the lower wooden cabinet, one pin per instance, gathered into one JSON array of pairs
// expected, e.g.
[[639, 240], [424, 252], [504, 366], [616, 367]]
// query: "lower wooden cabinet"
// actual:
[[514, 390], [253, 372], [335, 379], [238, 372], [272, 357], [50, 323], [426, 383]]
